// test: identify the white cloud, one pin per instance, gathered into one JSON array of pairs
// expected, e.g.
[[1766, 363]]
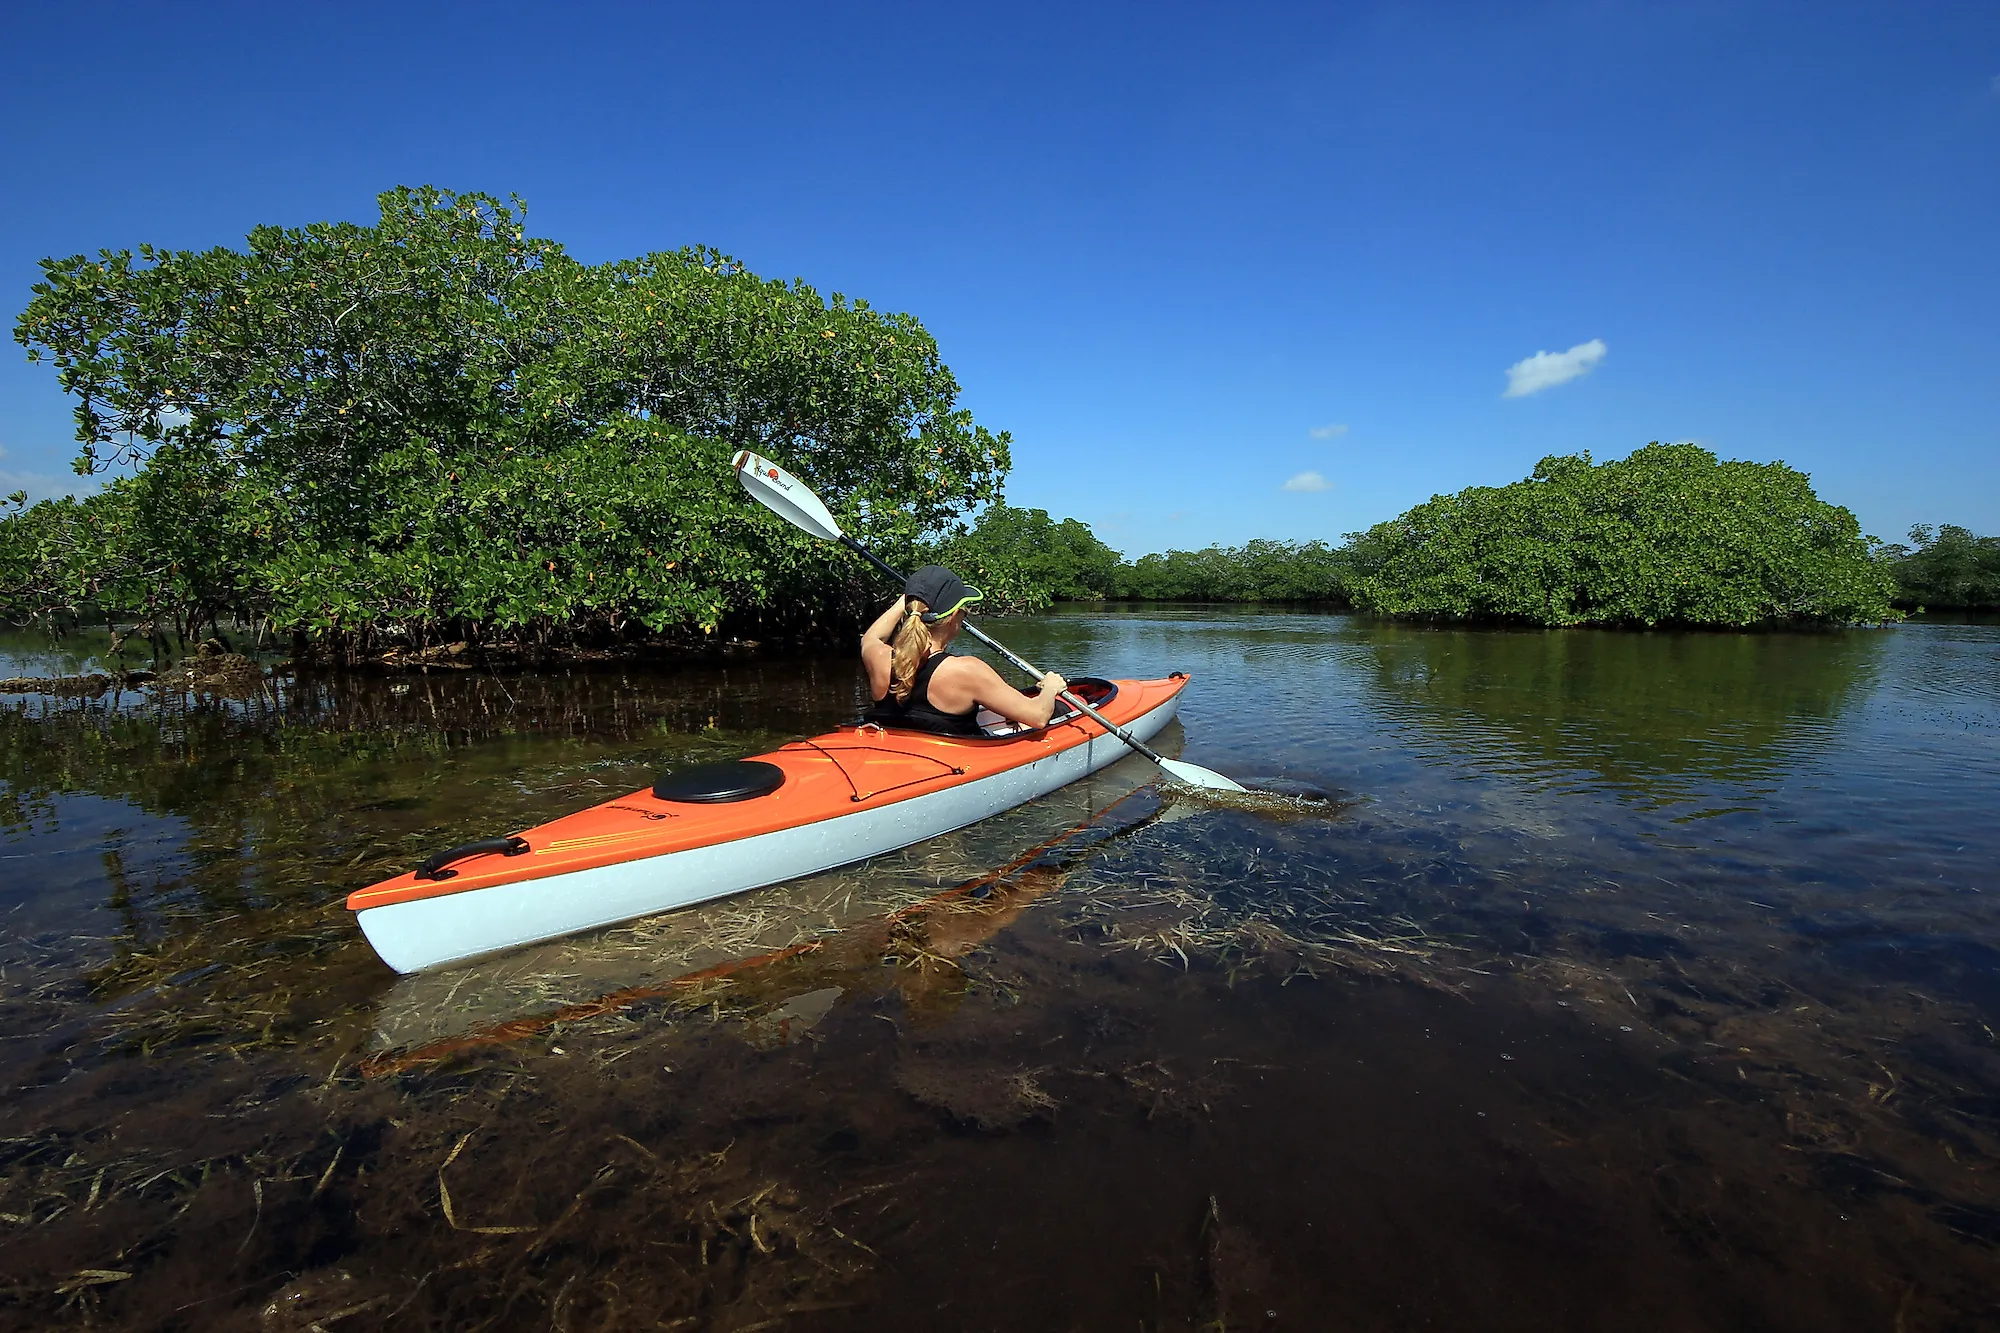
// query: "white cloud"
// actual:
[[1332, 432], [1309, 481], [1545, 370], [42, 486], [173, 416]]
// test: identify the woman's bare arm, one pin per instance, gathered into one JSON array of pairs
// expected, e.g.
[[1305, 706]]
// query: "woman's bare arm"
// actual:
[[964, 681], [876, 651]]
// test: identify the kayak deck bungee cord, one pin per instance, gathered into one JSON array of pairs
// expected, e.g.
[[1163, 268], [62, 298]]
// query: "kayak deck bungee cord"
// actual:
[[717, 829]]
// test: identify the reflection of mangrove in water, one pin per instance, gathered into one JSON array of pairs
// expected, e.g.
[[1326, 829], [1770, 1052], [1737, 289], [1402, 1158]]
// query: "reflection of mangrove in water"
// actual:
[[1661, 716], [27, 652], [222, 835]]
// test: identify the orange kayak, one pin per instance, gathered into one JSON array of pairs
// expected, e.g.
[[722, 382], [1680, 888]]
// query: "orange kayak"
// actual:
[[716, 829]]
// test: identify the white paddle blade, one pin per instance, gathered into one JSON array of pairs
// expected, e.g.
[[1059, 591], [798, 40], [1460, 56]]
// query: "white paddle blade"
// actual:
[[785, 495], [1194, 775]]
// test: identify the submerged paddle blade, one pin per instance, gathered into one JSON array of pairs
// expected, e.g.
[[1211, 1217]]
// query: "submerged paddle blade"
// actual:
[[785, 495], [1194, 775]]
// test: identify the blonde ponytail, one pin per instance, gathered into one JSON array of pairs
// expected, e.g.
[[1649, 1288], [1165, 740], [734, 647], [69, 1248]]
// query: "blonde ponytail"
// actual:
[[907, 650]]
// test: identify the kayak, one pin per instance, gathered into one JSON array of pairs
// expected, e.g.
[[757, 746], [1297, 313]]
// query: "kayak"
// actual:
[[710, 830]]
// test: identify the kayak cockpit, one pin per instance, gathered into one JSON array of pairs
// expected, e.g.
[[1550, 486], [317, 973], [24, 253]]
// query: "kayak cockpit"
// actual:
[[1093, 691]]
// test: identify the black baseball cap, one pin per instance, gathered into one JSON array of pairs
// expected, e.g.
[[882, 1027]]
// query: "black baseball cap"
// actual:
[[941, 590]]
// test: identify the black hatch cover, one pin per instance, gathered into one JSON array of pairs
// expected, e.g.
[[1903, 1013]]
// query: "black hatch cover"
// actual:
[[714, 784]]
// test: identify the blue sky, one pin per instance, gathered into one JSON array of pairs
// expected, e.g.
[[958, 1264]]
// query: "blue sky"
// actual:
[[1187, 255]]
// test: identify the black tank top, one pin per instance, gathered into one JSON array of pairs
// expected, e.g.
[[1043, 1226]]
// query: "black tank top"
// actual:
[[918, 712]]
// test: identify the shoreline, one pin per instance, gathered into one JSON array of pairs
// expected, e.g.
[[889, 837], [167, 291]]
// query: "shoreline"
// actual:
[[199, 667]]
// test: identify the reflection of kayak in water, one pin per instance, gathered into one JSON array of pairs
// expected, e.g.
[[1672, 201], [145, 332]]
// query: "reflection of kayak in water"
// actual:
[[719, 829]]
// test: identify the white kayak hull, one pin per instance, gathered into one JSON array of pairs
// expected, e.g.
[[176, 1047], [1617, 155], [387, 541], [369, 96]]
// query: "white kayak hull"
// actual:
[[424, 933]]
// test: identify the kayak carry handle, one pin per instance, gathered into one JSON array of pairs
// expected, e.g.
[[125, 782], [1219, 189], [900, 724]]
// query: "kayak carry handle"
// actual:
[[435, 867]]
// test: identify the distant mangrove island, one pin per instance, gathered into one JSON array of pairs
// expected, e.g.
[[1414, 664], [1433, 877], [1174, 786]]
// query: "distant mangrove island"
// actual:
[[1668, 536], [438, 430]]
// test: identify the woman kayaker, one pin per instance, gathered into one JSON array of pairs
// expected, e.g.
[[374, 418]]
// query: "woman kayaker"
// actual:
[[916, 683]]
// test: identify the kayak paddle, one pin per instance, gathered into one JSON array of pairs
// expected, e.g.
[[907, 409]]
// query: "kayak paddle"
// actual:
[[791, 499]]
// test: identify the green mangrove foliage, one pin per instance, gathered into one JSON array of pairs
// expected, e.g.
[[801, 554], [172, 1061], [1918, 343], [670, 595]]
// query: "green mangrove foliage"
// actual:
[[1257, 571], [1023, 560], [1947, 568], [439, 427], [1667, 536]]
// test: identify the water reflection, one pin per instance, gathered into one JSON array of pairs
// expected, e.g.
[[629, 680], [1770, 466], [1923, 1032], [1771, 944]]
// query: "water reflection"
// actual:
[[162, 832], [1506, 996], [28, 652], [1663, 717]]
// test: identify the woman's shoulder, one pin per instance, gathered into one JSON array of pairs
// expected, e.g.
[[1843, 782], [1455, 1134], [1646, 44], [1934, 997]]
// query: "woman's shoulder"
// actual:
[[966, 669]]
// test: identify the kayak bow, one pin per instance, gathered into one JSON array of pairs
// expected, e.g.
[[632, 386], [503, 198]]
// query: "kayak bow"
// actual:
[[808, 806]]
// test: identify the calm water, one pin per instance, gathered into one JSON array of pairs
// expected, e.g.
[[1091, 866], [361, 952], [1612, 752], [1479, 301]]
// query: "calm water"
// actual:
[[1648, 981]]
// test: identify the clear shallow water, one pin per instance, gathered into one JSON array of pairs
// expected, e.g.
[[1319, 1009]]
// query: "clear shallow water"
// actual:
[[1649, 978]]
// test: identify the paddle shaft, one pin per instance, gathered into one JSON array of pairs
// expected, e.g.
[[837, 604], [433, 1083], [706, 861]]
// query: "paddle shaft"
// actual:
[[1068, 696]]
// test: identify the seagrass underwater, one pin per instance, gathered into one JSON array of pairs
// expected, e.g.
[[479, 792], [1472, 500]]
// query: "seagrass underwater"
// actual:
[[1621, 971]]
